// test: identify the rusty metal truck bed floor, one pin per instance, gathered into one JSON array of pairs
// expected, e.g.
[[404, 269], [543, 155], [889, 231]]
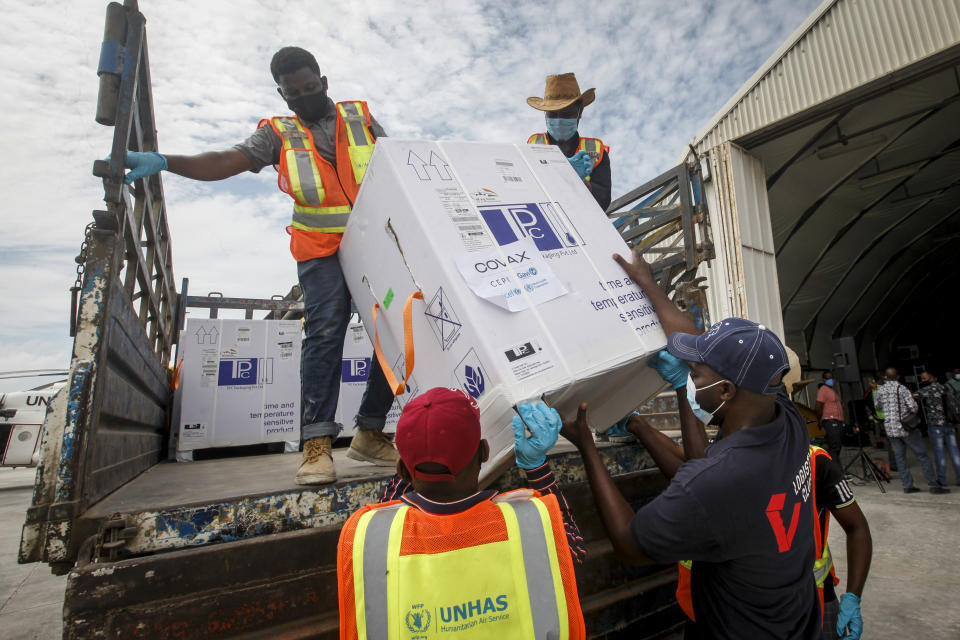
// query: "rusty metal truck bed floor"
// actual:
[[175, 484]]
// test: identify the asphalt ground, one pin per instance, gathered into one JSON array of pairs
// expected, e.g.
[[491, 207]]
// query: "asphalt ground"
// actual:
[[912, 590]]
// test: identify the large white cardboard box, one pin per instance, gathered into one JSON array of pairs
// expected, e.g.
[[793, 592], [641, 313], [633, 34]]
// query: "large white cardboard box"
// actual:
[[521, 297], [239, 382], [354, 372]]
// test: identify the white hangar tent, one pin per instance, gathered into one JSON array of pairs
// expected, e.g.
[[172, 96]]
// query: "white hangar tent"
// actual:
[[855, 125]]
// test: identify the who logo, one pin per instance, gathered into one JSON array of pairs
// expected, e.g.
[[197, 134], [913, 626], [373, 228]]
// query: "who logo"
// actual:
[[545, 223]]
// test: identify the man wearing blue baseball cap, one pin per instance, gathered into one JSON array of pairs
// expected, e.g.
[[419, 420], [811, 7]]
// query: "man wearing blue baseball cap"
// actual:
[[743, 514]]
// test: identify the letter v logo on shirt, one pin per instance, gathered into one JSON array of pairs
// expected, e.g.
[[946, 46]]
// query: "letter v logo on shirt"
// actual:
[[784, 537]]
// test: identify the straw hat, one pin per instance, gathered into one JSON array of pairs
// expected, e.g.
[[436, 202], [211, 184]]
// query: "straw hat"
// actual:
[[560, 92]]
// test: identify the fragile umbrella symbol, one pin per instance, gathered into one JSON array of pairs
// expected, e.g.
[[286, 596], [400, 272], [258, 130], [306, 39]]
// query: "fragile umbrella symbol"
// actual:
[[474, 384]]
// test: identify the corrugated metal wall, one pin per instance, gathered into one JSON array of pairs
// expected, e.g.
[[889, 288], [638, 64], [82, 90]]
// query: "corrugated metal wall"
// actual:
[[842, 47], [742, 281]]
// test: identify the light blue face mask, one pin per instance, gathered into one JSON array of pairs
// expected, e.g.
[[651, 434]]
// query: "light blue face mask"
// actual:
[[561, 129], [702, 414], [829, 382]]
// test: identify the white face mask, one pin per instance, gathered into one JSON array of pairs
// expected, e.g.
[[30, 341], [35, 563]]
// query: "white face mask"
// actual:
[[702, 414]]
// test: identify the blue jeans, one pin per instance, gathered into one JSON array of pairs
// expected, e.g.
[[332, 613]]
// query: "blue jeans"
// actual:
[[326, 303], [914, 440], [940, 436]]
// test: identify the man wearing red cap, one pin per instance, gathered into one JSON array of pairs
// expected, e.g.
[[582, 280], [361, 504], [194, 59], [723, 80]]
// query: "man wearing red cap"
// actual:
[[448, 558]]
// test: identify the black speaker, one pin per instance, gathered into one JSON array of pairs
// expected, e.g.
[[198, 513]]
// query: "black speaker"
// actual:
[[845, 366]]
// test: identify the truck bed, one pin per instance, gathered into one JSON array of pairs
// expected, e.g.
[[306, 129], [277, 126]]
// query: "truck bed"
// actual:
[[171, 485]]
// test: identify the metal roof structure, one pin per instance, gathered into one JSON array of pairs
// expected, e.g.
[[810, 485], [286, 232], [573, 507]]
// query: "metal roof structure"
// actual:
[[856, 119]]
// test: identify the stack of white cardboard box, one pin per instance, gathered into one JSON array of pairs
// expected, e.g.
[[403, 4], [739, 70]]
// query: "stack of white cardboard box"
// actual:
[[521, 298]]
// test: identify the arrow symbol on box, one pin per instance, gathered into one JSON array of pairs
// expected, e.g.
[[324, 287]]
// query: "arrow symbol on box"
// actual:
[[438, 163], [419, 165]]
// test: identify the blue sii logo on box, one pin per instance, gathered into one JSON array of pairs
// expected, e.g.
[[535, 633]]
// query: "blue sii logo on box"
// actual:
[[238, 371], [545, 223], [355, 370]]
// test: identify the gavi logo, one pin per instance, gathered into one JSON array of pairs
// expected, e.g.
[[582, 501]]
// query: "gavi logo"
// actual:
[[545, 223]]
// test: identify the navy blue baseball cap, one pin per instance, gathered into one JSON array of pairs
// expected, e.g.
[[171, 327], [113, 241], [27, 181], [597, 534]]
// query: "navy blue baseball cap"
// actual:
[[746, 353]]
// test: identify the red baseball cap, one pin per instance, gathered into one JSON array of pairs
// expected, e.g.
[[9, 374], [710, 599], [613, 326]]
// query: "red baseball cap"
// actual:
[[441, 426]]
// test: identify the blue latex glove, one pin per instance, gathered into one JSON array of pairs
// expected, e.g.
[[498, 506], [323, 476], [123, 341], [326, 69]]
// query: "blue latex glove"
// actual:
[[143, 164], [544, 424], [673, 370], [582, 163], [849, 622]]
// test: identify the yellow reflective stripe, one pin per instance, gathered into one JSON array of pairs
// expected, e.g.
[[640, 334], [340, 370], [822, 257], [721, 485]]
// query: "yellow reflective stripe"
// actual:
[[303, 173], [554, 568], [537, 138], [393, 573], [821, 568], [687, 564], [358, 586], [357, 132], [320, 219], [359, 139], [516, 562]]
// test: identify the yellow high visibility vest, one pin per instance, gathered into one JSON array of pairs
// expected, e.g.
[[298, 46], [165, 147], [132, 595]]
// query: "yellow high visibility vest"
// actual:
[[465, 583], [593, 146]]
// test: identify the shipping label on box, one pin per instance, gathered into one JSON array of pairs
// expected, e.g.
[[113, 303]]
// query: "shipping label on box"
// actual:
[[521, 297], [240, 382]]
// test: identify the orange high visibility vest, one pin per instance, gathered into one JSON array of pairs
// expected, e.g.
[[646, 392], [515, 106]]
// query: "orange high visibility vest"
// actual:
[[823, 566], [593, 146], [322, 195], [501, 569]]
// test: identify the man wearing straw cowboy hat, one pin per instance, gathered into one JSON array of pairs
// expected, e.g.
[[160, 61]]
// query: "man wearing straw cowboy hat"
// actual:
[[562, 104]]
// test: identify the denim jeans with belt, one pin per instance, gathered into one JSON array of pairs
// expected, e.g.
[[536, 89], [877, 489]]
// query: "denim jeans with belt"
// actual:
[[914, 440], [326, 303], [944, 440]]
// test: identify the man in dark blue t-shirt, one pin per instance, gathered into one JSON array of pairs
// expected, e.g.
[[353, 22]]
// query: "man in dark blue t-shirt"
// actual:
[[744, 512]]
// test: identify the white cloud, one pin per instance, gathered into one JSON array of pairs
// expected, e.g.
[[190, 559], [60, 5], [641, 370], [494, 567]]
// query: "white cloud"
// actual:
[[435, 70]]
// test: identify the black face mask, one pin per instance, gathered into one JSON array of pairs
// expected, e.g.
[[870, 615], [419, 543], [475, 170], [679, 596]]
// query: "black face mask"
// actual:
[[310, 107]]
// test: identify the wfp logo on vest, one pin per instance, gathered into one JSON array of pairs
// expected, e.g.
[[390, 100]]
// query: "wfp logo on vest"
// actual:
[[545, 223], [418, 619], [355, 370], [238, 371]]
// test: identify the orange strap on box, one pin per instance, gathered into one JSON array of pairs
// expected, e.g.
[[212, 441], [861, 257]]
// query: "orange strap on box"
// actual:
[[396, 386]]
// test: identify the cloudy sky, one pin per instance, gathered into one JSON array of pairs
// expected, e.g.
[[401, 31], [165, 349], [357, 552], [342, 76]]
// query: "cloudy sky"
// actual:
[[435, 70]]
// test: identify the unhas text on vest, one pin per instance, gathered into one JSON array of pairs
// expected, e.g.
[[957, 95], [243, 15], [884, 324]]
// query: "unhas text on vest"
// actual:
[[465, 615]]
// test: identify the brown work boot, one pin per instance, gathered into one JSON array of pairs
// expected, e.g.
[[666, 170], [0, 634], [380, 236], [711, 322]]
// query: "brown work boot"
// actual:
[[317, 465], [373, 447]]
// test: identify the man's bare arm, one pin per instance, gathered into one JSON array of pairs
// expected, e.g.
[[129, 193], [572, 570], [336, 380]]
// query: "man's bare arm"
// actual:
[[213, 165], [671, 318], [615, 512], [664, 451], [859, 546]]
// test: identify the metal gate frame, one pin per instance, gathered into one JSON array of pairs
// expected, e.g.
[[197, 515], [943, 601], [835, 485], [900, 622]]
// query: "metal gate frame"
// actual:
[[110, 423]]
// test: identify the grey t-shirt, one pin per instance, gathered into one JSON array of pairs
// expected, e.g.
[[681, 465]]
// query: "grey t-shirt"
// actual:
[[263, 147]]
